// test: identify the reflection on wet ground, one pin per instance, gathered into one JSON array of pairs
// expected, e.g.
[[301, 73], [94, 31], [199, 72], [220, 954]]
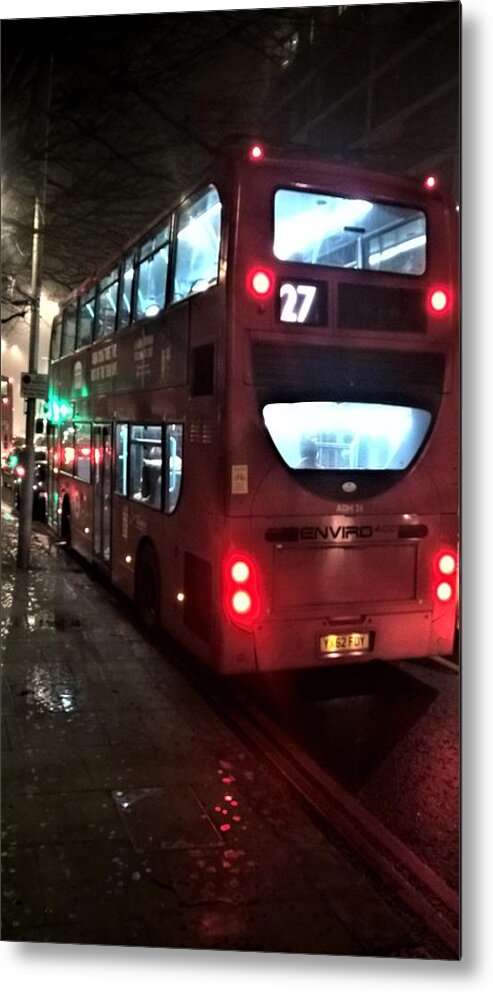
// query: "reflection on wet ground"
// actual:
[[133, 815], [390, 735]]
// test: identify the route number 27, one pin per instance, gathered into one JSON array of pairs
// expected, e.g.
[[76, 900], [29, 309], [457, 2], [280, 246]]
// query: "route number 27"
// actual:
[[296, 302]]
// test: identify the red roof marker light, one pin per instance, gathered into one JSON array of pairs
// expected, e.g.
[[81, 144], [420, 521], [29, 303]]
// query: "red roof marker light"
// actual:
[[431, 182], [256, 153]]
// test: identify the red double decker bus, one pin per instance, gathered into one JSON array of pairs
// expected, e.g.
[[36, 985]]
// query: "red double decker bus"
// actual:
[[254, 416]]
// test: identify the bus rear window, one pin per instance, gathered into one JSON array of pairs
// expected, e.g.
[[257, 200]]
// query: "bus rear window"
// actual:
[[347, 233], [346, 436]]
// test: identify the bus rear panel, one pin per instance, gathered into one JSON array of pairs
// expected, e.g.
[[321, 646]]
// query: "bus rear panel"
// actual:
[[343, 418]]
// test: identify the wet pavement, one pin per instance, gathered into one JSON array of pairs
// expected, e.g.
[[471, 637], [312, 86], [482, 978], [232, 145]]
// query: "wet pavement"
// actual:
[[390, 735], [132, 815]]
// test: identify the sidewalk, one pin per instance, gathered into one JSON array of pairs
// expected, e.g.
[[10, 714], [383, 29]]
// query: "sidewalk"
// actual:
[[131, 814]]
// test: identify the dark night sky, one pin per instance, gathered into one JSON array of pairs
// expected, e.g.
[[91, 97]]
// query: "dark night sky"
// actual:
[[137, 103]]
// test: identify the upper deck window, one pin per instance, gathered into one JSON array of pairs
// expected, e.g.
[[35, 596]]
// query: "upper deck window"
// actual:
[[105, 318], [69, 326], [126, 283], [56, 338], [87, 310], [348, 233], [197, 245], [151, 275]]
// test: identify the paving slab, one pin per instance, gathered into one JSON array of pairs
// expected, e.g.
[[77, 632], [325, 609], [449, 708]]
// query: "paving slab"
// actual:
[[131, 813]]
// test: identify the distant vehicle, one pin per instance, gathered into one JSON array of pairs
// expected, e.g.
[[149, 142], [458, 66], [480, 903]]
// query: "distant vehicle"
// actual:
[[39, 482], [17, 448]]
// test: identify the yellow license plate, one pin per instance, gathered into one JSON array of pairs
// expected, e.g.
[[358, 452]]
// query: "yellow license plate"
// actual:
[[337, 643]]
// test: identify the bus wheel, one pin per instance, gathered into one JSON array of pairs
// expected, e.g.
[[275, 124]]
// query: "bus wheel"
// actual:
[[66, 532], [148, 588]]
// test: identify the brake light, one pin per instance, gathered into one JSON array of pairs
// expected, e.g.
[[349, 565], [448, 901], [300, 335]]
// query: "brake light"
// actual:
[[242, 597], [447, 564], [445, 570], [260, 283], [444, 592], [431, 182], [439, 301]]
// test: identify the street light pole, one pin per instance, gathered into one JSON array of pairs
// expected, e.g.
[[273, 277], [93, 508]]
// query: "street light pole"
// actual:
[[26, 505]]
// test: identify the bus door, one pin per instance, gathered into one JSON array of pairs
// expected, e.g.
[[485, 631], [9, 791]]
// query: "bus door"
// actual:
[[53, 453], [102, 492]]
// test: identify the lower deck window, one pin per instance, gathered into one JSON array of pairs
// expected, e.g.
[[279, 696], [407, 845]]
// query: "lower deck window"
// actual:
[[346, 436], [174, 456], [146, 464], [121, 459], [82, 457]]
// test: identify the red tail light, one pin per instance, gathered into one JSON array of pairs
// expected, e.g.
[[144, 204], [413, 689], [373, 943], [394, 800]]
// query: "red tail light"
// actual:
[[242, 597], [446, 575], [439, 301], [444, 592], [447, 563], [260, 283]]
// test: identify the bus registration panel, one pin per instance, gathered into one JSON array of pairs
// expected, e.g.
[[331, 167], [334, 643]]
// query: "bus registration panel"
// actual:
[[342, 643]]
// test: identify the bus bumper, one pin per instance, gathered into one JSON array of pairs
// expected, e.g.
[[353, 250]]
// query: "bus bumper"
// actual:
[[294, 644]]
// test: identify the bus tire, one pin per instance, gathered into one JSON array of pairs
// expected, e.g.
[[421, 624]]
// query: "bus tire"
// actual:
[[148, 588], [65, 529]]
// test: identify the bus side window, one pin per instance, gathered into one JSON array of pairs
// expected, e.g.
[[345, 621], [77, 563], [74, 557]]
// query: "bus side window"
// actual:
[[173, 447], [69, 323], [121, 459], [107, 304], [87, 311], [68, 449], [146, 464], [124, 314], [82, 454], [151, 274], [197, 245]]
